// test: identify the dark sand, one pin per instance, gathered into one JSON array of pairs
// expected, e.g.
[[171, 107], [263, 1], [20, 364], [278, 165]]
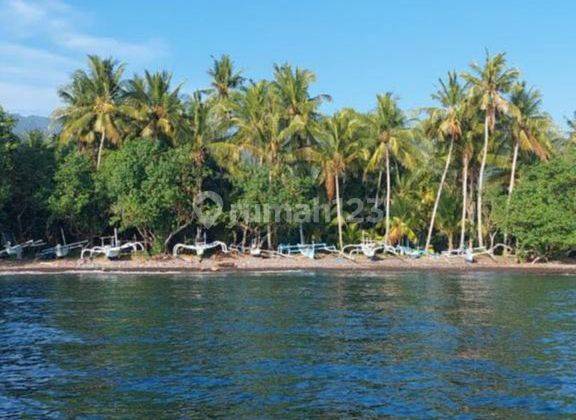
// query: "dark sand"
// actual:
[[226, 263]]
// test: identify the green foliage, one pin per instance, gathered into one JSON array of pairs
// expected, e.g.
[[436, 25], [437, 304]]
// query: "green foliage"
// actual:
[[75, 201], [5, 164], [256, 189], [7, 139], [262, 144], [32, 180], [93, 113], [149, 187], [542, 214]]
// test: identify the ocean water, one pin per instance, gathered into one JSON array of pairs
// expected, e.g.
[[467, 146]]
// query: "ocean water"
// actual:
[[288, 344]]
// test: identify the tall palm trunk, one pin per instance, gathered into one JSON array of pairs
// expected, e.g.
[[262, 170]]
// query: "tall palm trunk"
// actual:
[[377, 198], [269, 225], [100, 148], [439, 193], [481, 182], [386, 234], [511, 187], [339, 213], [464, 200]]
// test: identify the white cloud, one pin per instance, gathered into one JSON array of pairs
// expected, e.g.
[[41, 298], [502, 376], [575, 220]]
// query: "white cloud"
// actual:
[[43, 41], [28, 99], [132, 52], [26, 65]]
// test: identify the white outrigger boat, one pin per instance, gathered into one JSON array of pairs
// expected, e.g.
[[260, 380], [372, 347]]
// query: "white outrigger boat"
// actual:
[[470, 253], [369, 248], [466, 253], [61, 250], [254, 250], [111, 247], [199, 248], [307, 250], [16, 251]]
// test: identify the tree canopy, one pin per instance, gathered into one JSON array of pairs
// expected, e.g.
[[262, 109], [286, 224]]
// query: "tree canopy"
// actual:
[[485, 164]]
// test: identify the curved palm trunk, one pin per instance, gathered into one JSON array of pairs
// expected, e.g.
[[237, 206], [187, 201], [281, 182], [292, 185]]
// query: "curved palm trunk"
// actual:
[[386, 234], [464, 201], [339, 213], [511, 187], [439, 194], [100, 148], [481, 182]]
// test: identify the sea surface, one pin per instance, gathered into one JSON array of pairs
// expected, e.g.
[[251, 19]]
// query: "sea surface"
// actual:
[[295, 344]]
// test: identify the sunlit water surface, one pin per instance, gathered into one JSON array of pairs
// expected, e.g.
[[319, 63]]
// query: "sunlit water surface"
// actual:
[[302, 344]]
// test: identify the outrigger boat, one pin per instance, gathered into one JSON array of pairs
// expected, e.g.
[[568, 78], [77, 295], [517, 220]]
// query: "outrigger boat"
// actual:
[[307, 250], [17, 250], [111, 247], [409, 252], [368, 247], [466, 253], [254, 250], [61, 250], [199, 247], [470, 253]]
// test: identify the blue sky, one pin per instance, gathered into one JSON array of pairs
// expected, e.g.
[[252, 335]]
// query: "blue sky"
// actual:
[[357, 49]]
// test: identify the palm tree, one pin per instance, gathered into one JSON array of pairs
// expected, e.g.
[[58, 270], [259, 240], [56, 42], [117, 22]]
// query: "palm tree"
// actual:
[[203, 136], [301, 109], [200, 130], [94, 106], [224, 78], [388, 136], [261, 130], [446, 122], [467, 142], [529, 128], [336, 148], [155, 107], [488, 84], [224, 89]]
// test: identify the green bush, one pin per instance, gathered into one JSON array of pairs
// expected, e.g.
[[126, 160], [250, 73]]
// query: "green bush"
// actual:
[[542, 214], [75, 200], [150, 188]]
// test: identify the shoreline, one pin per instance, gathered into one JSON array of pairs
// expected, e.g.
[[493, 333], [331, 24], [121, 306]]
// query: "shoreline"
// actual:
[[247, 264]]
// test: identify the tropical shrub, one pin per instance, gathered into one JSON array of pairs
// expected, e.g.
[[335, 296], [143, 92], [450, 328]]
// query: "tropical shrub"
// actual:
[[542, 213], [150, 188], [75, 201]]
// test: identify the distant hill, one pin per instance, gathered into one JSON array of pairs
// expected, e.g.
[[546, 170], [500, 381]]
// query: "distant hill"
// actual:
[[34, 122]]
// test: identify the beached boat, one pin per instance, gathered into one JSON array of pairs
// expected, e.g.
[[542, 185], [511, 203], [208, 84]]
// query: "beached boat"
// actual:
[[254, 250], [16, 250], [111, 248], [307, 250], [199, 247], [367, 247], [61, 250]]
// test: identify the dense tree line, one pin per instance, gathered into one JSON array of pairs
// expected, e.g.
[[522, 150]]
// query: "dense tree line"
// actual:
[[486, 165]]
